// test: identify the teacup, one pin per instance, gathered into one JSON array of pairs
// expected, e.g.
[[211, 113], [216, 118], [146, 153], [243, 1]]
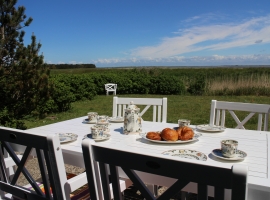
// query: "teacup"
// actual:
[[105, 124], [102, 119], [229, 148], [104, 127], [183, 122], [92, 117], [97, 132]]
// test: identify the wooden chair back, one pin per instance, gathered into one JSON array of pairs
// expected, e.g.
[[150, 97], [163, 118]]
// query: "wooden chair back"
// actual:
[[110, 87], [47, 150], [219, 108], [185, 172], [159, 107]]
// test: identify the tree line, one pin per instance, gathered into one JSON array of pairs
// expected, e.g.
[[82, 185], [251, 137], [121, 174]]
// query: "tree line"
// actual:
[[70, 66]]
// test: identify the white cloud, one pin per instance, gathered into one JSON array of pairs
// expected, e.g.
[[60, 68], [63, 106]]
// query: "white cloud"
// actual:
[[259, 59], [73, 62], [200, 38], [209, 37]]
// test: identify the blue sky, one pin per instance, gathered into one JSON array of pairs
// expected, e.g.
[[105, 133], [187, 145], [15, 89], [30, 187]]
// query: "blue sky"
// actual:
[[111, 33]]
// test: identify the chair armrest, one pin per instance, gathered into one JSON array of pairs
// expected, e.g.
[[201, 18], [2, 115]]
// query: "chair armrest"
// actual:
[[76, 182]]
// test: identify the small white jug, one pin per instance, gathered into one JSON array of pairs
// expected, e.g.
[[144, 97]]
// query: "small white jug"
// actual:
[[132, 119]]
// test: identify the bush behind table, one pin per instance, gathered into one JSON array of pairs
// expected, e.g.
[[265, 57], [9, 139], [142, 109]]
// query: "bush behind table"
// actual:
[[205, 81], [74, 88]]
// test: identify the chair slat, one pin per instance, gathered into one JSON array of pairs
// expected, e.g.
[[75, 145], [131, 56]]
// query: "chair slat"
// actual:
[[21, 168], [218, 117], [44, 176], [139, 184], [202, 192], [3, 169], [219, 193], [223, 115], [119, 110], [159, 114], [144, 110], [266, 118], [123, 111], [213, 113], [259, 127], [105, 181], [115, 182], [240, 173], [154, 113]]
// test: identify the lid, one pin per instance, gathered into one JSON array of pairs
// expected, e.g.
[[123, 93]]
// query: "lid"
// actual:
[[132, 106]]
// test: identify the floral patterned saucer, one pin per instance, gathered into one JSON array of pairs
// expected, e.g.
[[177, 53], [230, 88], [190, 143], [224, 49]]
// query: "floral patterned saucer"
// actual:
[[67, 137], [104, 137], [87, 121], [240, 155], [186, 153], [209, 128], [116, 119]]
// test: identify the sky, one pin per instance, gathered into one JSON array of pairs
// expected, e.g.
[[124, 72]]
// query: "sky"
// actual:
[[116, 33]]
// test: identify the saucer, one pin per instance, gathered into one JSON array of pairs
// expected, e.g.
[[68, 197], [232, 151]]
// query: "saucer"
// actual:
[[104, 137], [186, 153], [86, 121], [67, 137], [240, 155], [116, 119], [209, 128]]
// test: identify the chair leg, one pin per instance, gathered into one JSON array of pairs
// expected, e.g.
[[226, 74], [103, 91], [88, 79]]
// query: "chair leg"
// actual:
[[153, 189], [183, 195]]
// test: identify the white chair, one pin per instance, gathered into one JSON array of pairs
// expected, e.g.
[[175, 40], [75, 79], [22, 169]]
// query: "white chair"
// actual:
[[159, 107], [48, 151], [185, 172], [110, 87], [218, 109]]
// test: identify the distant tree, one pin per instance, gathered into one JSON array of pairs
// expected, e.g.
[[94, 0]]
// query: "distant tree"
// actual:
[[24, 84], [71, 66]]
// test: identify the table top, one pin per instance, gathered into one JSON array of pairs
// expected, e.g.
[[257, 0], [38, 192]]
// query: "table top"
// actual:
[[254, 143]]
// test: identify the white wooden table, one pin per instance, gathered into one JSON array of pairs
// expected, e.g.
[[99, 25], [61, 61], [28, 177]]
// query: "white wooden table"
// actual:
[[254, 143]]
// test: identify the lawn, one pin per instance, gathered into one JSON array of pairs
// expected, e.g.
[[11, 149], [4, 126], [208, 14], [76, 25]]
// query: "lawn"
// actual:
[[195, 108]]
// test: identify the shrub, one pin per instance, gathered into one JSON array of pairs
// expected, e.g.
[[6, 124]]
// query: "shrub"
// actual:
[[8, 120], [61, 98], [198, 87]]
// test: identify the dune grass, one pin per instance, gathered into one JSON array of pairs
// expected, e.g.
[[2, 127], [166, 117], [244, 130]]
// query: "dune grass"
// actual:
[[195, 108]]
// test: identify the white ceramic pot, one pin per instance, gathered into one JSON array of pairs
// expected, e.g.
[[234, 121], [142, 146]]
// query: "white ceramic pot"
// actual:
[[132, 119]]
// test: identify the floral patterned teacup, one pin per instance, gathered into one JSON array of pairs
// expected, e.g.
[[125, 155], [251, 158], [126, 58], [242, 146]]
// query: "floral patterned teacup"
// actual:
[[104, 127], [229, 148], [97, 132], [92, 117], [102, 119], [183, 122]]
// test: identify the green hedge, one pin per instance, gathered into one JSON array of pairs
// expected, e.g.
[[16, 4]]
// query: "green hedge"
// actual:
[[68, 88]]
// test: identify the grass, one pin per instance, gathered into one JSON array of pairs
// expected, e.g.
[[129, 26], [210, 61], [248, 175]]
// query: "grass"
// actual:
[[243, 82], [195, 108]]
